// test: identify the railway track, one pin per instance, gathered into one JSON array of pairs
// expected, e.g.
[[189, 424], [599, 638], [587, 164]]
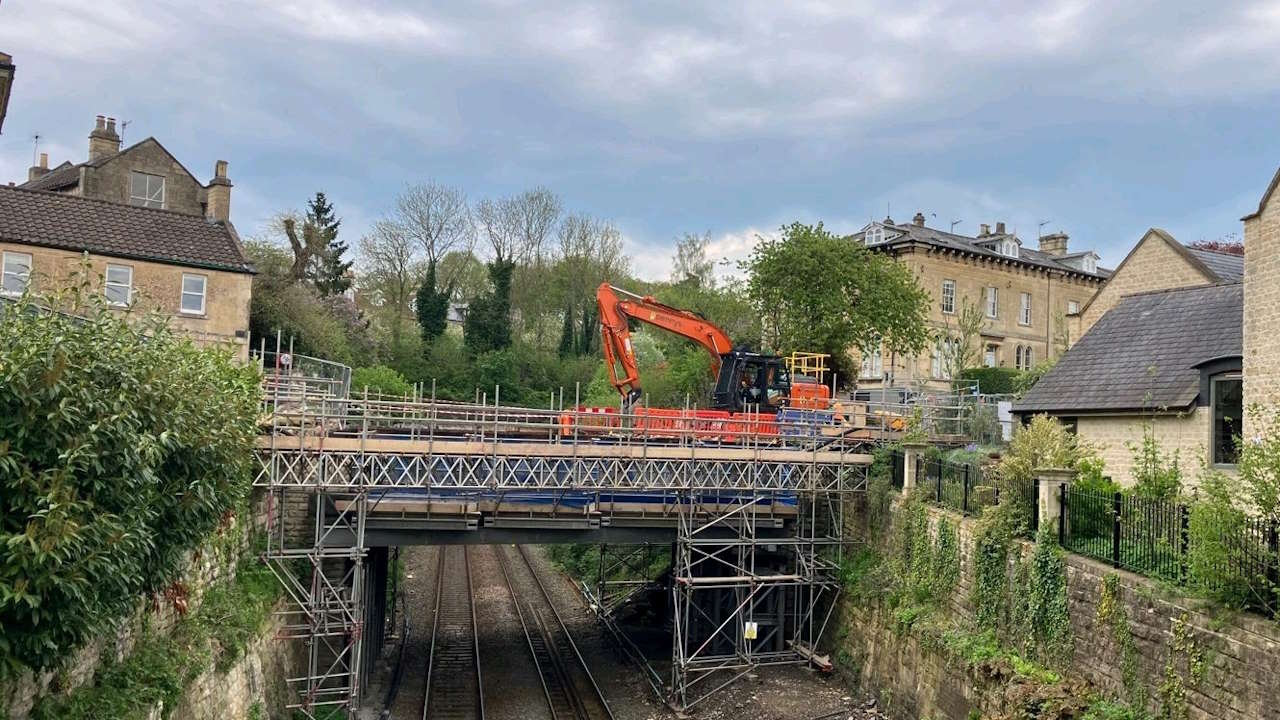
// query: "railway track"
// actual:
[[571, 691], [454, 690]]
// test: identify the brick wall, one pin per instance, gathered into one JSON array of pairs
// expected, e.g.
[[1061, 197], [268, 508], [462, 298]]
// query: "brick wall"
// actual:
[[1240, 651], [1262, 309], [1152, 265], [1114, 435], [158, 286]]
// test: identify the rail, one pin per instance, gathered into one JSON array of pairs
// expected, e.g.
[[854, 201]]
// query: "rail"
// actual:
[[571, 691], [454, 688]]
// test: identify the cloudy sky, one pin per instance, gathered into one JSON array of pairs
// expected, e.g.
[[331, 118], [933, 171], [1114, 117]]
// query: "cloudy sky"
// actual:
[[1102, 118]]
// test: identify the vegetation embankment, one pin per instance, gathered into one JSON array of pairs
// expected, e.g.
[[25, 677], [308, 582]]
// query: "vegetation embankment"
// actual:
[[123, 448]]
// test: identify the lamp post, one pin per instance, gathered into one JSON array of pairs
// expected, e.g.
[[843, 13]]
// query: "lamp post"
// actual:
[[6, 84]]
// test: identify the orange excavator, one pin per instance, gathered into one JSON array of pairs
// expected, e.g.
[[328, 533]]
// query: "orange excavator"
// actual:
[[744, 380]]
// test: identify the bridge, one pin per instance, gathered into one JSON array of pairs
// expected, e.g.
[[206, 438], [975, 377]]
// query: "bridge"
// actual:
[[751, 513]]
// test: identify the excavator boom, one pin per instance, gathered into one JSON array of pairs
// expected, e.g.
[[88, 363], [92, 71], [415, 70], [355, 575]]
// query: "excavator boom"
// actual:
[[617, 306]]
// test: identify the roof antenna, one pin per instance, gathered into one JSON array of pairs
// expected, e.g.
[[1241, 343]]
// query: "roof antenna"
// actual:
[[35, 148], [954, 223], [1040, 228], [123, 124]]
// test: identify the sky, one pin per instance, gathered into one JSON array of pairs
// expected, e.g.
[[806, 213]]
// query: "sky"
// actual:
[[1098, 119]]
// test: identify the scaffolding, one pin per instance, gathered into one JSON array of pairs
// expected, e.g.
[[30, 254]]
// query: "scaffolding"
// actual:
[[754, 509]]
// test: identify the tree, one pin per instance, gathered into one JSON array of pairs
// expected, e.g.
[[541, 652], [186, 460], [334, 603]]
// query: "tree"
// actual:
[[431, 306], [961, 341], [307, 243], [488, 323], [393, 266], [590, 253], [435, 217], [329, 269], [690, 264], [818, 292], [518, 229]]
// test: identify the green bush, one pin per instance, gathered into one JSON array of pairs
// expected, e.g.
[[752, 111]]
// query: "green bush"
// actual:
[[379, 379], [993, 381], [122, 446]]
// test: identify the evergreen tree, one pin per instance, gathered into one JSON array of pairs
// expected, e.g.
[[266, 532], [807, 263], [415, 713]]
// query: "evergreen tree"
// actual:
[[329, 270], [432, 306], [566, 333], [488, 323]]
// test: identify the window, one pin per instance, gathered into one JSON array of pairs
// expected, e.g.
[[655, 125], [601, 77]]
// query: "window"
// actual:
[[949, 296], [1090, 264], [872, 363], [1227, 399], [989, 356], [1024, 309], [993, 303], [146, 190], [875, 235], [1073, 307], [1017, 357], [1008, 248], [118, 284], [944, 350], [193, 294], [1027, 361], [17, 273]]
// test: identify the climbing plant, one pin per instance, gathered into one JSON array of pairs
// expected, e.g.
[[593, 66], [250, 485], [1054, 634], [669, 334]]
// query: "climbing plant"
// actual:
[[1114, 615], [989, 596], [122, 446], [1049, 639]]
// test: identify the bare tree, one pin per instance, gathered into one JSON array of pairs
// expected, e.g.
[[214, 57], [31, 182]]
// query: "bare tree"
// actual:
[[961, 340], [518, 227], [393, 260], [690, 263], [305, 239], [435, 217]]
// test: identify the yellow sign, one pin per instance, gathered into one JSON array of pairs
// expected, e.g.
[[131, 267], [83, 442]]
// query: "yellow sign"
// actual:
[[750, 630]]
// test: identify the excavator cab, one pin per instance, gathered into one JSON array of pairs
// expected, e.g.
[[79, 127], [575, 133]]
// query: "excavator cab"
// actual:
[[749, 380]]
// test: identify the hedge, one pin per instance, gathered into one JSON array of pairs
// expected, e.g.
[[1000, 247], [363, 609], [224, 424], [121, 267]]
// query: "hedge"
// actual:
[[993, 381]]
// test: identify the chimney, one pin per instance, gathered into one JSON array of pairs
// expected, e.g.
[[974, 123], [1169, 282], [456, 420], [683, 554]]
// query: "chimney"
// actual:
[[39, 171], [918, 220], [1054, 244], [999, 228], [984, 230], [103, 141], [218, 198]]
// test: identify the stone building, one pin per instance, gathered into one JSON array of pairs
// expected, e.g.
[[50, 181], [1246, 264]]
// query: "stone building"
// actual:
[[1159, 262], [1024, 295], [1262, 305], [6, 84], [1168, 360], [156, 237]]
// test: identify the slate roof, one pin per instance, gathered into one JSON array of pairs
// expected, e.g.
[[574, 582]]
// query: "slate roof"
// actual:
[[64, 175], [1227, 267], [1142, 354], [972, 246], [69, 222]]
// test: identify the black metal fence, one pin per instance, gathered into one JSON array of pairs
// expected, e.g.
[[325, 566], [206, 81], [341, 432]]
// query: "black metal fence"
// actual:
[[953, 485], [1222, 551]]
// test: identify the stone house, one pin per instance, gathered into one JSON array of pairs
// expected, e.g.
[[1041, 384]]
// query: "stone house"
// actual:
[[6, 84], [1025, 296], [1168, 360], [1262, 306], [158, 238], [1159, 262]]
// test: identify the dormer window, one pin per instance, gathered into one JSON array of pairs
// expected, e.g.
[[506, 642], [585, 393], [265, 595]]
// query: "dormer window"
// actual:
[[146, 190], [874, 235], [1008, 248], [1089, 264]]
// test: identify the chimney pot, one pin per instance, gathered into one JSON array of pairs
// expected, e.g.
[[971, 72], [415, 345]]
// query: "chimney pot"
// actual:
[[103, 141], [984, 230], [220, 169], [102, 122], [44, 161], [918, 219], [999, 228]]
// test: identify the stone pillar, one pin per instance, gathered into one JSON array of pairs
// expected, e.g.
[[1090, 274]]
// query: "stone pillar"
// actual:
[[911, 453], [1052, 480]]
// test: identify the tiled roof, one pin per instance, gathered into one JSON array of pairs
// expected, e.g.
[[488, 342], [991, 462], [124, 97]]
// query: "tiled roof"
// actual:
[[74, 223], [59, 177], [1142, 354], [1227, 267], [964, 243]]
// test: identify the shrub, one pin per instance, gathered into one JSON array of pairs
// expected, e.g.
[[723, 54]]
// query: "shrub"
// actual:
[[379, 379], [122, 446], [993, 381], [1043, 443]]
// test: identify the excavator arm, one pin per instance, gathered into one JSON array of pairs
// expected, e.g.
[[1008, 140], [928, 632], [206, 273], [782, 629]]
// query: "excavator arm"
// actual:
[[617, 306]]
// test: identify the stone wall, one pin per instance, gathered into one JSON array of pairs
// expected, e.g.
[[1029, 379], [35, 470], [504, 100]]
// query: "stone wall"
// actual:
[[253, 688], [1262, 306], [157, 286], [1113, 436], [110, 179], [1153, 264], [1226, 665]]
